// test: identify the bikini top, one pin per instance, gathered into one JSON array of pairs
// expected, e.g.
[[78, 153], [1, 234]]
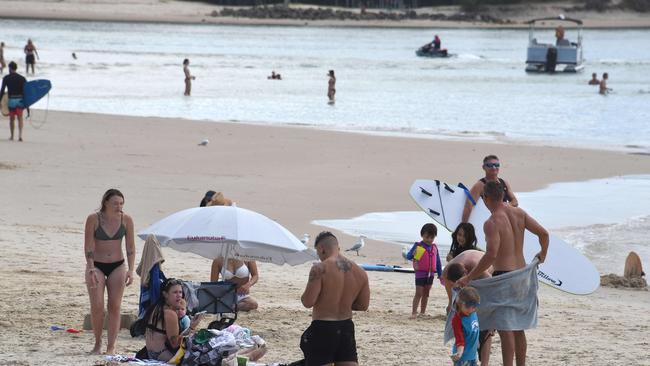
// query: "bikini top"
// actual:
[[100, 234], [241, 272]]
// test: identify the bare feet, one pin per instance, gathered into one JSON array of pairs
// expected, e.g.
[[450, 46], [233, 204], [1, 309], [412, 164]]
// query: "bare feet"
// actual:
[[110, 351], [413, 316], [97, 350]]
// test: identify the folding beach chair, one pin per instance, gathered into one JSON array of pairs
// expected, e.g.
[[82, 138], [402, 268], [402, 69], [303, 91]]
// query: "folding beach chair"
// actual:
[[148, 295], [219, 298]]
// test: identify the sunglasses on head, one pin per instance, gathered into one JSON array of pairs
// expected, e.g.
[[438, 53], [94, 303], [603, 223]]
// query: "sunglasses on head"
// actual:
[[491, 165], [172, 282], [471, 304]]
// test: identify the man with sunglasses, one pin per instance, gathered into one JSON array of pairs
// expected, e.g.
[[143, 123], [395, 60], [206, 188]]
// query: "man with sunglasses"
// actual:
[[491, 167]]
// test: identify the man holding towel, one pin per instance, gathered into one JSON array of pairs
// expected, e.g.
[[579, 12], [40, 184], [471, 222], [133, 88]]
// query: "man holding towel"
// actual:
[[504, 235]]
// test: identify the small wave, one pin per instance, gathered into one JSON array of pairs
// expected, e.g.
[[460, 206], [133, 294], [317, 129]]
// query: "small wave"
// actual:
[[308, 66], [623, 62], [469, 56]]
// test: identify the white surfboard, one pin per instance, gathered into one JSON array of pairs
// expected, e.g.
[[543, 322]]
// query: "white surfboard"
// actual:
[[565, 268]]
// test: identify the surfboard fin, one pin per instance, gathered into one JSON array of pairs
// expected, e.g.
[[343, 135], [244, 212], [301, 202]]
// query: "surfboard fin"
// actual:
[[448, 188], [426, 192]]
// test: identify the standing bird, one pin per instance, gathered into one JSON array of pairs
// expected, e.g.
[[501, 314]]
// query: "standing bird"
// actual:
[[358, 245], [405, 251]]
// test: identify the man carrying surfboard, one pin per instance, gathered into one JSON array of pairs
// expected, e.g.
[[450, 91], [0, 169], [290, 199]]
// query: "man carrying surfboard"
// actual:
[[491, 165], [504, 235], [15, 84]]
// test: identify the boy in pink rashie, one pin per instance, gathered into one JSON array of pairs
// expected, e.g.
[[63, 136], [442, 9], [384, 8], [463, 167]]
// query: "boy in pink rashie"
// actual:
[[426, 262]]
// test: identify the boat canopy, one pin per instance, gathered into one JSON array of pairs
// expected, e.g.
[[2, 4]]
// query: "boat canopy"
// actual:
[[560, 18]]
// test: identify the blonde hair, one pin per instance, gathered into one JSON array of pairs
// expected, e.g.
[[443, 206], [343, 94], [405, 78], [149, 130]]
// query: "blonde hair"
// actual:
[[182, 304], [218, 199], [467, 294]]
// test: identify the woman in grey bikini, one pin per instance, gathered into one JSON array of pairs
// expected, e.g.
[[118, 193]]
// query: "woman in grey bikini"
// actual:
[[105, 267]]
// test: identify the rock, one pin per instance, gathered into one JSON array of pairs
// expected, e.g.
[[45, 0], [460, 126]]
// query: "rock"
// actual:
[[125, 321], [612, 280]]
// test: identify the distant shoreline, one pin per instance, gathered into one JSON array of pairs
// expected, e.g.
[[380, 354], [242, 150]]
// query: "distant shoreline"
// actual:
[[227, 21], [177, 12]]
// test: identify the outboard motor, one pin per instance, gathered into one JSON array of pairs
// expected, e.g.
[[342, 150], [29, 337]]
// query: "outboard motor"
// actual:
[[551, 59]]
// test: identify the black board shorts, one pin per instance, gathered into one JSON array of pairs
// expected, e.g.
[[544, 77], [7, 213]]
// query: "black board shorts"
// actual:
[[329, 341], [29, 59]]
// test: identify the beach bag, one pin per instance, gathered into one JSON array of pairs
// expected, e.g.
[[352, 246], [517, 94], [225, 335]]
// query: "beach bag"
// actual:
[[138, 328]]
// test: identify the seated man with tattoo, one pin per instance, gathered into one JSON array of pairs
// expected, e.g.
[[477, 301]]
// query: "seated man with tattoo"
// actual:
[[336, 287]]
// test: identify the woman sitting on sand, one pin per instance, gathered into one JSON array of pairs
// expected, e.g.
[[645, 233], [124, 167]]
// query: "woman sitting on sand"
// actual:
[[105, 267], [163, 336], [462, 239], [243, 274]]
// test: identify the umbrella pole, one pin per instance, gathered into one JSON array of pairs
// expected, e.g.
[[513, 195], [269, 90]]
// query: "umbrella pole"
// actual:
[[225, 262]]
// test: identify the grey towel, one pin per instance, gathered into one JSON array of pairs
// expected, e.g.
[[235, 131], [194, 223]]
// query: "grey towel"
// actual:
[[508, 301]]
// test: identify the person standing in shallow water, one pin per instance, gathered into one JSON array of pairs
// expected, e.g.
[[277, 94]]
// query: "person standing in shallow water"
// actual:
[[188, 77], [105, 267], [30, 56], [331, 86], [2, 57]]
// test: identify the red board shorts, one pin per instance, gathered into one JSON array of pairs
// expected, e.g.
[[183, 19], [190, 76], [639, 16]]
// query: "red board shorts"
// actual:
[[16, 112], [16, 106]]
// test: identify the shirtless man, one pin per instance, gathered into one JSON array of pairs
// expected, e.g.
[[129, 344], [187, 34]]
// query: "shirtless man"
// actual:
[[336, 287], [594, 79], [331, 86], [504, 236], [491, 167], [603, 89], [458, 267], [188, 77]]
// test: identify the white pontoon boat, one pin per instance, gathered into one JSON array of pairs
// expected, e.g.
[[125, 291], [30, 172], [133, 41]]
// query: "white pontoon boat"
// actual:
[[563, 56]]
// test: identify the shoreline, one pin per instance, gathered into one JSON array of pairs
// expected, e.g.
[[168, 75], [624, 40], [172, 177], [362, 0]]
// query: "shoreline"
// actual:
[[450, 136], [177, 12]]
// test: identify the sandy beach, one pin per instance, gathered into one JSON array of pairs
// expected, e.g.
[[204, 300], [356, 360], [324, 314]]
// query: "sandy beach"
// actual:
[[197, 12], [294, 175]]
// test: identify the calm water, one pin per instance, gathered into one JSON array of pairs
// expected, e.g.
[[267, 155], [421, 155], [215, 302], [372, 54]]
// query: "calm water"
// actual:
[[135, 69]]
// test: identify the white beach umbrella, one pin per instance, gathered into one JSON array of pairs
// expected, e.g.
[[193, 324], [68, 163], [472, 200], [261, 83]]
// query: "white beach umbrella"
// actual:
[[229, 232]]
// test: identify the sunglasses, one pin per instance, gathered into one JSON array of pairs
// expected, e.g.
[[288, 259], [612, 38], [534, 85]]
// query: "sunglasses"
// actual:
[[492, 165]]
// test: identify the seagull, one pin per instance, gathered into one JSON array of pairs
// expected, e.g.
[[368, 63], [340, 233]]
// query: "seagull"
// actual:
[[405, 250], [305, 239], [358, 245], [204, 142]]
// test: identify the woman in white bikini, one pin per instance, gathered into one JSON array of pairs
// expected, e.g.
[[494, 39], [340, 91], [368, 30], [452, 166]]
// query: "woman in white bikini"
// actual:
[[243, 274]]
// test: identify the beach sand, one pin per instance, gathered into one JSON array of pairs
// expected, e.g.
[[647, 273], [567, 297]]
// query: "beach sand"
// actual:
[[199, 12], [54, 179]]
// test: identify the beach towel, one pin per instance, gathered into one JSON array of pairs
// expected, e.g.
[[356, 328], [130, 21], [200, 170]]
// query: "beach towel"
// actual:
[[151, 255], [508, 301]]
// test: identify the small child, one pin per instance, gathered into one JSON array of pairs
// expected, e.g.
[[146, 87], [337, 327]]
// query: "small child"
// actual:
[[426, 263], [466, 327], [183, 319]]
